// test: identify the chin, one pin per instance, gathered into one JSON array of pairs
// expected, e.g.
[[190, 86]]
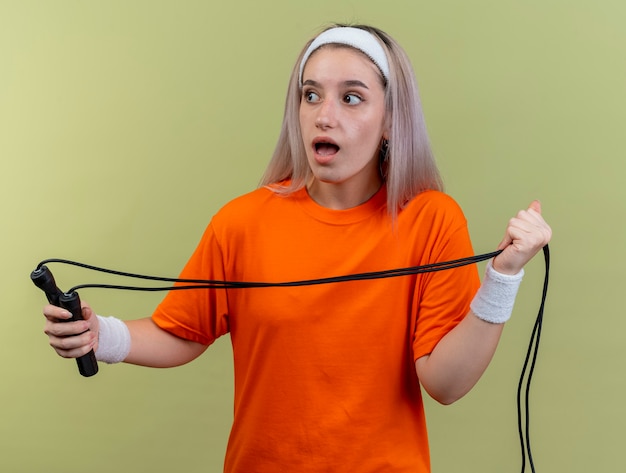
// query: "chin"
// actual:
[[326, 177]]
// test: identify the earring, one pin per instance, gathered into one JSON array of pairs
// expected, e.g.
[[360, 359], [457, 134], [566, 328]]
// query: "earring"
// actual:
[[383, 158]]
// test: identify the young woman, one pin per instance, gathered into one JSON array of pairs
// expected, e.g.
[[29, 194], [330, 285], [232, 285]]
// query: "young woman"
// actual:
[[327, 377]]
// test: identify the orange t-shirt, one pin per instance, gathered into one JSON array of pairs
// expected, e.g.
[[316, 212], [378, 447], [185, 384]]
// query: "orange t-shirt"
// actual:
[[324, 375]]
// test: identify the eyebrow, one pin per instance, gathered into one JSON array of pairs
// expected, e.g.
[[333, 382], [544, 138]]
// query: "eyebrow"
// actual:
[[347, 83]]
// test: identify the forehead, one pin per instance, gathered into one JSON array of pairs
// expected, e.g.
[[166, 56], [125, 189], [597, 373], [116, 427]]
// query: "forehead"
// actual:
[[341, 58]]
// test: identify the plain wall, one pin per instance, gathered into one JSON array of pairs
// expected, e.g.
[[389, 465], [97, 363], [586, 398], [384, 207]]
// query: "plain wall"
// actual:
[[124, 125]]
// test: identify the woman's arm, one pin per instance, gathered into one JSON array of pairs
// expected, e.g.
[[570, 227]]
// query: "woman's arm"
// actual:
[[149, 344], [461, 357], [152, 346]]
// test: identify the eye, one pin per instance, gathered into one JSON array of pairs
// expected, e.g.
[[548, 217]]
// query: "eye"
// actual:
[[352, 99], [311, 96]]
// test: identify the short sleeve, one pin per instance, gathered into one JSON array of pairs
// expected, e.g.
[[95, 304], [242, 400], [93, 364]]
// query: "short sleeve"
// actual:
[[443, 297], [200, 315]]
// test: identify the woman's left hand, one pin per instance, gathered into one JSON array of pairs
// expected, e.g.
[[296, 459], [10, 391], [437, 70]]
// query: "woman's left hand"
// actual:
[[526, 234]]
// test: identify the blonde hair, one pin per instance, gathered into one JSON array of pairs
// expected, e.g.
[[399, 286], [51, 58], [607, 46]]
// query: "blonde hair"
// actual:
[[410, 167]]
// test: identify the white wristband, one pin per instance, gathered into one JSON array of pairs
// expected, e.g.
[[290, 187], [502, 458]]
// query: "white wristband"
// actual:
[[494, 300], [113, 340]]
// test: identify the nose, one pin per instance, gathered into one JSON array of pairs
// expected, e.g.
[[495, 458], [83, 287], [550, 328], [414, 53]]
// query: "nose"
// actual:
[[326, 115]]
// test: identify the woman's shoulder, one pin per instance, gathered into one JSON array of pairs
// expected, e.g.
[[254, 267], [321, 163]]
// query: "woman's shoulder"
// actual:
[[260, 204], [252, 199], [434, 218], [435, 202], [249, 203]]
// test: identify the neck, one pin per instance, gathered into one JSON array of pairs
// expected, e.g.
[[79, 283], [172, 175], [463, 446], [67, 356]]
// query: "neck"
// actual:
[[342, 196]]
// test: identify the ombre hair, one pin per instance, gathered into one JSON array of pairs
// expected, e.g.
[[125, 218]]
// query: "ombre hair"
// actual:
[[409, 168]]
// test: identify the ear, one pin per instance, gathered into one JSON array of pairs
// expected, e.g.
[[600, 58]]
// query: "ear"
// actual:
[[387, 126], [386, 130]]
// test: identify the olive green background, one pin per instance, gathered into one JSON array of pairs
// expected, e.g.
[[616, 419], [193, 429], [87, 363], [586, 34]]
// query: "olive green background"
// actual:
[[124, 125]]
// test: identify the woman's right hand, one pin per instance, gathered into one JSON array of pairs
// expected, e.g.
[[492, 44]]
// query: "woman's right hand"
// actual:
[[71, 339]]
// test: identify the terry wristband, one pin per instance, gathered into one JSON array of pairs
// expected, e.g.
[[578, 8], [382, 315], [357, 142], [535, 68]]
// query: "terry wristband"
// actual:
[[494, 300], [113, 340]]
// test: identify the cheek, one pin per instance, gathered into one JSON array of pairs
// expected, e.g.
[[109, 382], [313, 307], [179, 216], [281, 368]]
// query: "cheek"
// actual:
[[305, 117], [301, 119], [369, 132]]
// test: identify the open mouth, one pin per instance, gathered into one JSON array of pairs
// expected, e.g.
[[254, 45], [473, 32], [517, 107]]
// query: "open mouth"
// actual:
[[324, 148]]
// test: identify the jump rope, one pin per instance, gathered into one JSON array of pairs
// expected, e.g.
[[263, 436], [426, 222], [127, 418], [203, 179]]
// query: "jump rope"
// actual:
[[88, 366]]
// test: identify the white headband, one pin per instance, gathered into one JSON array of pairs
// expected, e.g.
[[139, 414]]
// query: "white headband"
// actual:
[[355, 37]]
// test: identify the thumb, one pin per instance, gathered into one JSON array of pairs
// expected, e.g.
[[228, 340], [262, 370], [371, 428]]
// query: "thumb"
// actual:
[[536, 206], [87, 312]]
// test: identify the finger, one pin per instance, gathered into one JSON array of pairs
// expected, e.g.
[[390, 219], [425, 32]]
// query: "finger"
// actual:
[[65, 329], [536, 206], [87, 311], [506, 241], [66, 348], [527, 236], [52, 312], [524, 233], [529, 215], [72, 345], [531, 221], [519, 225]]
